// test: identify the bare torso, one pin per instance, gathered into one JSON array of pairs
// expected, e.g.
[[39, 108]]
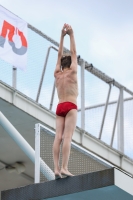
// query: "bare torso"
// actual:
[[67, 87]]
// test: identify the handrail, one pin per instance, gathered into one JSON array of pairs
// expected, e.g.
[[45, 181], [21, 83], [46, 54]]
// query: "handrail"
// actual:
[[103, 104], [43, 72]]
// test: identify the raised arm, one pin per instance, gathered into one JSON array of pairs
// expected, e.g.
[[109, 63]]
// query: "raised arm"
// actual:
[[60, 52], [72, 48]]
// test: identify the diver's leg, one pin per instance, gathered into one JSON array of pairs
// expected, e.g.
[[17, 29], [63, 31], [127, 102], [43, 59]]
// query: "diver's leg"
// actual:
[[70, 124]]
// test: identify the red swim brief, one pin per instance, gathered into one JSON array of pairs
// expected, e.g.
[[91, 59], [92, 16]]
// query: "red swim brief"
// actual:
[[64, 108]]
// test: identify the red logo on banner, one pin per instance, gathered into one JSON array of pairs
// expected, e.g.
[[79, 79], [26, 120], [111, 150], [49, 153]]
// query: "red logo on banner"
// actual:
[[9, 29]]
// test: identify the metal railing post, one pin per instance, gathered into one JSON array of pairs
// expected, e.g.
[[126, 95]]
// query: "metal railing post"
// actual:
[[82, 98], [116, 115], [105, 110], [14, 77], [43, 72], [37, 153], [52, 97], [120, 124]]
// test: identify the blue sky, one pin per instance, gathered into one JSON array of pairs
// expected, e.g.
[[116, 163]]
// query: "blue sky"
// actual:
[[103, 30]]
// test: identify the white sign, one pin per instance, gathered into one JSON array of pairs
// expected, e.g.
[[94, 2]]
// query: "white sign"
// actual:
[[13, 39]]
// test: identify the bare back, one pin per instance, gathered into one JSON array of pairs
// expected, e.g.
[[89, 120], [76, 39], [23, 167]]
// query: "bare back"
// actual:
[[67, 86]]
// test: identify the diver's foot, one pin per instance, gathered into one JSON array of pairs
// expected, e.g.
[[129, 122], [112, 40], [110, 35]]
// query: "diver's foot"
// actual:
[[57, 175], [65, 173]]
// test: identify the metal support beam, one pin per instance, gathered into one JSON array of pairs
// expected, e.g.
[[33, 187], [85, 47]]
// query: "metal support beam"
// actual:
[[104, 114], [120, 124], [37, 153], [43, 72], [116, 115], [52, 97], [14, 77], [103, 104], [82, 98]]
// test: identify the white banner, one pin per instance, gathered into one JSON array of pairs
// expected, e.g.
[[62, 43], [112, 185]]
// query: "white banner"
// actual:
[[13, 39]]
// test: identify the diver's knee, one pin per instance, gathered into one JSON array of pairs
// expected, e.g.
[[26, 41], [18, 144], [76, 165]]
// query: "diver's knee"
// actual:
[[58, 139], [67, 138]]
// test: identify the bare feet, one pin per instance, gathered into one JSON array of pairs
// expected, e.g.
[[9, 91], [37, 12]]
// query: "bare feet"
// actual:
[[57, 175], [65, 172]]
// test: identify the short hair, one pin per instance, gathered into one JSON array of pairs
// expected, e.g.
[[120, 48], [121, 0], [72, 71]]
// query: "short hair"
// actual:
[[66, 61]]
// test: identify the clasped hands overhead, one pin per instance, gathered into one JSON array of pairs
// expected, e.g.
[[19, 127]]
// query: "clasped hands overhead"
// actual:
[[67, 29]]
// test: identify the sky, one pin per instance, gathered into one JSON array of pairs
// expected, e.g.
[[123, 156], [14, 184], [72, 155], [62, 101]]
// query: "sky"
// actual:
[[103, 30]]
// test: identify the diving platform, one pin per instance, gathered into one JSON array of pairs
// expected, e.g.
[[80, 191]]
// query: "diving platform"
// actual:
[[110, 184]]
